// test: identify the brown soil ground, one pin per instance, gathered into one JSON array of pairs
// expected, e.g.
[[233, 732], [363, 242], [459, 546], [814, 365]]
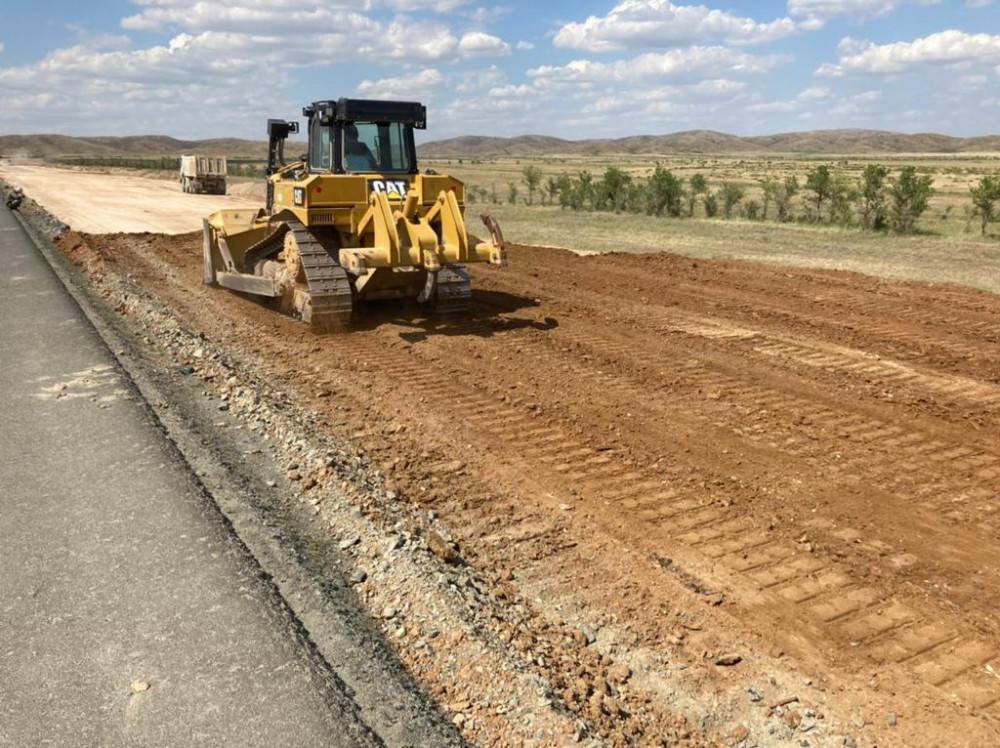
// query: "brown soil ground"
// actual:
[[697, 457]]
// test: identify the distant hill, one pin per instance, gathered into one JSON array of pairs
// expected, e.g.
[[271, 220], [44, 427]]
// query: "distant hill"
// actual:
[[709, 142], [49, 146], [832, 142]]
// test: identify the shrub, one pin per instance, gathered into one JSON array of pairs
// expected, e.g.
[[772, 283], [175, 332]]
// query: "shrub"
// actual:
[[783, 195], [871, 198], [613, 189], [532, 177], [985, 196], [731, 195], [820, 182], [711, 203], [664, 193], [698, 186], [909, 195]]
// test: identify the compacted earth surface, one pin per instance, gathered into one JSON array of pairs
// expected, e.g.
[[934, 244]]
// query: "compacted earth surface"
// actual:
[[670, 501]]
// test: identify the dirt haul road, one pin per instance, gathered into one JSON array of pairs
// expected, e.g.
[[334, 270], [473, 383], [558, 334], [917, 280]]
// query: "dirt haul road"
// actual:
[[98, 203], [750, 485]]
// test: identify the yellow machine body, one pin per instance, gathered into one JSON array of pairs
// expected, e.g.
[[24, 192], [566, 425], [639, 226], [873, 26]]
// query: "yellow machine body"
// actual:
[[387, 234]]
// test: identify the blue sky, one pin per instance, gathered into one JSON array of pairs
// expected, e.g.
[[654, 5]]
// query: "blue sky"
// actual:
[[212, 68]]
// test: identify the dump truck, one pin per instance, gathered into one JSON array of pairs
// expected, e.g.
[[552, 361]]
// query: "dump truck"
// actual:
[[353, 219], [203, 175]]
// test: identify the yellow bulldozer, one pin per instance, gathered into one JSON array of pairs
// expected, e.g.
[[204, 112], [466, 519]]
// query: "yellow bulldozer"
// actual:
[[351, 220]]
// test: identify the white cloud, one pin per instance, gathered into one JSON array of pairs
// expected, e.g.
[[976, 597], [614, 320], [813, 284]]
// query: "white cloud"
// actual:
[[946, 47], [651, 89], [324, 31], [479, 44], [814, 92], [522, 45], [849, 110], [972, 82], [693, 62], [811, 94], [640, 99], [816, 13], [470, 81], [1, 47], [482, 16], [215, 47], [857, 106], [266, 16], [978, 3], [657, 24], [420, 85], [774, 106], [249, 16], [438, 6]]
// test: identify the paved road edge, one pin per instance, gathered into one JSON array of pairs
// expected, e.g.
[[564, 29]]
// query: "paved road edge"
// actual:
[[296, 587]]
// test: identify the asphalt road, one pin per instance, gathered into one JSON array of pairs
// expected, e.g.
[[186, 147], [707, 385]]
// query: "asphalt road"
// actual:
[[129, 613]]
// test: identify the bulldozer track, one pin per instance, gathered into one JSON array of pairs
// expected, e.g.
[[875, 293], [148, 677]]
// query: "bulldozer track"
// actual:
[[330, 291], [752, 443], [265, 249], [330, 295], [454, 291]]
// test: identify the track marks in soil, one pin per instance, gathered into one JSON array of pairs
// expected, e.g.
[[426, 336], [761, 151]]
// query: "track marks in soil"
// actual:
[[793, 399], [848, 611]]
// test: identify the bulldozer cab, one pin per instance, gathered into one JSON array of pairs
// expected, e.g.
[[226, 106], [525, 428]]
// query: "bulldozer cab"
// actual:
[[356, 136]]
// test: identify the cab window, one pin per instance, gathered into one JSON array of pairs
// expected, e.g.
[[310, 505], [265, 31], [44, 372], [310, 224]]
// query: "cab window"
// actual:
[[319, 152], [376, 147]]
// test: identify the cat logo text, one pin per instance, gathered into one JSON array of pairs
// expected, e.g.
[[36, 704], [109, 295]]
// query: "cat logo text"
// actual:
[[394, 189]]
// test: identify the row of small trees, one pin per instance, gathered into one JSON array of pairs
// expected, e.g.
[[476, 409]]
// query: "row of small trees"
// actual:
[[165, 163], [875, 200]]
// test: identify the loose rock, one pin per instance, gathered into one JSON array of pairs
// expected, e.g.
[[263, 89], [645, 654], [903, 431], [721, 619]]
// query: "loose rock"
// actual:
[[440, 547]]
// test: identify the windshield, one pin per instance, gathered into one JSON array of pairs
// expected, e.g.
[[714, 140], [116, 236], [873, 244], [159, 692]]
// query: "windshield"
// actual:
[[376, 147]]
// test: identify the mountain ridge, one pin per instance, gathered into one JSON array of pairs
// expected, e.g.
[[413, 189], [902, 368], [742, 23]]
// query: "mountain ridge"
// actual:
[[819, 142], [829, 142]]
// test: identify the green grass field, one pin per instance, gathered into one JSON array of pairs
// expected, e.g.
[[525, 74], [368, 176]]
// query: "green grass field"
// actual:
[[968, 261], [947, 248]]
